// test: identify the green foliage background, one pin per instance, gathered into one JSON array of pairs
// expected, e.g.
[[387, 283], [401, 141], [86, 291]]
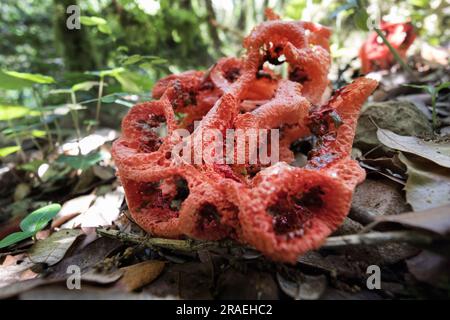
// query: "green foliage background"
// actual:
[[139, 41]]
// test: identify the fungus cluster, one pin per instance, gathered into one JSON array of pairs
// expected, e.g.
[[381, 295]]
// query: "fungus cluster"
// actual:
[[280, 209]]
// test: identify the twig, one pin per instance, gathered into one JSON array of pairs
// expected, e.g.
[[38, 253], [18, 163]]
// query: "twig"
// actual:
[[99, 101], [42, 115], [374, 238], [179, 245]]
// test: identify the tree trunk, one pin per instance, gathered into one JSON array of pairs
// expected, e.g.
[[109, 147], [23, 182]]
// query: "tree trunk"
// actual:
[[75, 45], [212, 30]]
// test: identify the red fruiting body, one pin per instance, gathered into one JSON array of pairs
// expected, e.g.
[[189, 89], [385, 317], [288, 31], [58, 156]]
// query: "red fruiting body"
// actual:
[[279, 209], [375, 55]]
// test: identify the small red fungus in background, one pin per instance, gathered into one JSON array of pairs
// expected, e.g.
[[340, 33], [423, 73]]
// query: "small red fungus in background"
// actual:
[[279, 209], [375, 55]]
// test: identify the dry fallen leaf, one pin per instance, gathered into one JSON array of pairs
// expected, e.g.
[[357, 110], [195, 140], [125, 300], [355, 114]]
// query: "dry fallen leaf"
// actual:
[[430, 268], [306, 288], [15, 269], [436, 220], [428, 185], [107, 277], [141, 274], [103, 212], [72, 208], [436, 152], [190, 280], [87, 292], [87, 257], [52, 249]]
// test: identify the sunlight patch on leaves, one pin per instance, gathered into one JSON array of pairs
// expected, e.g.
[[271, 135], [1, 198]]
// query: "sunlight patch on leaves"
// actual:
[[92, 21], [15, 112], [6, 151], [84, 86], [33, 77]]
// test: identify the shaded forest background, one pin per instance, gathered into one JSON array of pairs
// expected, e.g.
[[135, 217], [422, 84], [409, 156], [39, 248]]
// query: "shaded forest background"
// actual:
[[176, 35]]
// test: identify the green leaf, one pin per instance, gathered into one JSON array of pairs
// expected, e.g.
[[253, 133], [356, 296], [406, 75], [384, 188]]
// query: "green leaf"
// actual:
[[15, 112], [158, 61], [60, 91], [31, 166], [100, 23], [427, 88], [39, 218], [347, 6], [111, 98], [23, 132], [92, 21], [12, 83], [444, 85], [419, 3], [133, 82], [105, 73], [84, 86], [81, 162], [33, 77], [361, 18], [104, 28], [6, 151], [14, 238], [133, 59], [38, 133], [147, 61]]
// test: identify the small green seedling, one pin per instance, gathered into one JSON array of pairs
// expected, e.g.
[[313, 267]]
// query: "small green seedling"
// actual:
[[32, 224], [434, 92]]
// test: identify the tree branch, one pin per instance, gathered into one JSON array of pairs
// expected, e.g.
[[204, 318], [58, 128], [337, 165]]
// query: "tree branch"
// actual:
[[373, 238], [377, 238], [172, 244]]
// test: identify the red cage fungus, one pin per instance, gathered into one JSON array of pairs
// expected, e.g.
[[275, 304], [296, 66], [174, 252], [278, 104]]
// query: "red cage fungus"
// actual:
[[375, 55], [279, 209]]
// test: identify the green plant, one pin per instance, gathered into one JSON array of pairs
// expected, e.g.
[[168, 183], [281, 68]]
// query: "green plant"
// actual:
[[32, 224], [434, 92], [81, 162], [19, 81], [102, 74]]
